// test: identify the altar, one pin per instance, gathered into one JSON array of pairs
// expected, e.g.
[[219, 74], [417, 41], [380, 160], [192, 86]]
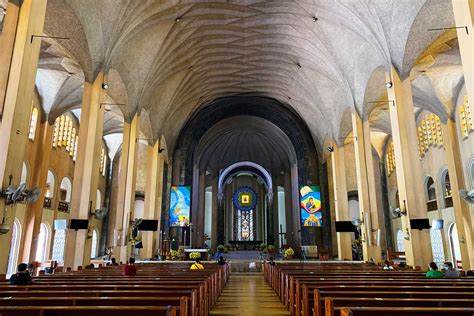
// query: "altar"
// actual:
[[245, 244]]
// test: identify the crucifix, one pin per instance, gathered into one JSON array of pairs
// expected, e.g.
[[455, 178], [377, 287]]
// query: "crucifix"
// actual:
[[282, 235]]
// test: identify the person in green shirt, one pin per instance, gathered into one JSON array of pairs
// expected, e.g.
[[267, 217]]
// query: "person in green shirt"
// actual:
[[434, 272]]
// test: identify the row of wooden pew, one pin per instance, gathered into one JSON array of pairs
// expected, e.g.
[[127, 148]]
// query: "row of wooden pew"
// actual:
[[157, 289], [357, 289]]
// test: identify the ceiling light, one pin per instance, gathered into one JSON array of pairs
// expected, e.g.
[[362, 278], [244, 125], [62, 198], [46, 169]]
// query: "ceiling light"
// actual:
[[315, 19], [191, 67], [289, 98], [105, 86], [330, 149], [298, 65], [178, 19], [389, 84]]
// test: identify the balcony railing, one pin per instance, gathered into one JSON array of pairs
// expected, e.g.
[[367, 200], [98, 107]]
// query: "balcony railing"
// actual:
[[448, 201], [63, 206], [432, 205], [47, 203]]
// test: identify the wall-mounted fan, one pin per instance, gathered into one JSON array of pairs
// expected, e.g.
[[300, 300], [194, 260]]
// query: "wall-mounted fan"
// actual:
[[467, 196], [356, 222], [14, 194], [100, 213]]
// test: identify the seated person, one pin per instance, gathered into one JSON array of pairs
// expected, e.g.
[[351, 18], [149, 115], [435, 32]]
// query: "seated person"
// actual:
[[371, 262], [197, 265], [271, 262], [221, 261], [434, 272], [130, 269], [449, 271], [113, 262], [22, 277], [387, 266]]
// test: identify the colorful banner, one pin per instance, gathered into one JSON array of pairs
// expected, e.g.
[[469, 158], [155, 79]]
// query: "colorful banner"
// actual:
[[310, 204], [180, 206]]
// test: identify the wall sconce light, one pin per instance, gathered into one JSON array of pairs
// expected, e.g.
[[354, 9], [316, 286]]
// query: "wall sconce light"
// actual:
[[105, 86], [330, 149], [389, 84], [462, 240]]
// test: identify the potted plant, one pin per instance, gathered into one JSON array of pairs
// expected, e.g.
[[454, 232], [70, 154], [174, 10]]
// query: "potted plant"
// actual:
[[220, 249], [271, 249], [174, 254], [195, 255], [288, 255]]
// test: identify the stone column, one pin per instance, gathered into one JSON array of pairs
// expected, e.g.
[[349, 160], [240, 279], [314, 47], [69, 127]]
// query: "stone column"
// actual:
[[86, 171], [126, 187], [34, 211], [464, 16], [408, 169], [341, 202], [20, 57], [215, 217], [366, 188], [461, 208], [152, 192]]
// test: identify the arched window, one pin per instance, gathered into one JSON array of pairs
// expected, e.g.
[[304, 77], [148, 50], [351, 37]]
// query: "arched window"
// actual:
[[454, 243], [65, 190], [437, 247], [446, 185], [50, 185], [24, 173], [400, 241], [14, 248], [42, 249], [95, 246], [98, 200], [33, 123], [59, 245], [465, 118], [430, 189], [75, 148]]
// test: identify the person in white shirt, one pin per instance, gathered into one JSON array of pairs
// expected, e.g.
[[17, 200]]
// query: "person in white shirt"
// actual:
[[387, 265]]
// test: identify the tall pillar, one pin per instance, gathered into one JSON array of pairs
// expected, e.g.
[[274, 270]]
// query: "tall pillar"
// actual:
[[344, 240], [461, 208], [17, 91], [126, 189], [408, 169], [86, 171], [215, 216], [366, 188], [151, 197], [464, 16], [34, 211]]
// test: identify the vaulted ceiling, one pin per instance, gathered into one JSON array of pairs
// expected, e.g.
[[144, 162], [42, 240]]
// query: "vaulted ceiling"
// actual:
[[168, 58]]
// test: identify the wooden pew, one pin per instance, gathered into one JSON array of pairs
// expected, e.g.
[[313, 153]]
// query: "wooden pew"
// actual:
[[87, 310]]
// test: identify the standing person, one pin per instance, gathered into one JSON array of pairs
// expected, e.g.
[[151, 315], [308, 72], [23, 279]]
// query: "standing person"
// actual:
[[22, 277], [449, 271], [434, 272], [387, 266], [130, 269], [197, 265]]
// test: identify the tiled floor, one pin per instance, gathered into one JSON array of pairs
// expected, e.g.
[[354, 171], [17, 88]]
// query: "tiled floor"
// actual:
[[248, 294]]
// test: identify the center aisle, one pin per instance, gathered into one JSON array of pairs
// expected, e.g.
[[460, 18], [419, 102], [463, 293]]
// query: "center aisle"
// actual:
[[248, 294]]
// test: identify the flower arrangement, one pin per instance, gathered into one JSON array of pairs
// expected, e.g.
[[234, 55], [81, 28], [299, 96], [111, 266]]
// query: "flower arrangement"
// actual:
[[195, 255], [174, 254], [271, 249], [288, 253], [220, 249]]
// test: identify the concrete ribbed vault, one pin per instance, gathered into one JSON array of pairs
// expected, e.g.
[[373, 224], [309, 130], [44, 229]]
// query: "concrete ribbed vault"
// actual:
[[171, 57]]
